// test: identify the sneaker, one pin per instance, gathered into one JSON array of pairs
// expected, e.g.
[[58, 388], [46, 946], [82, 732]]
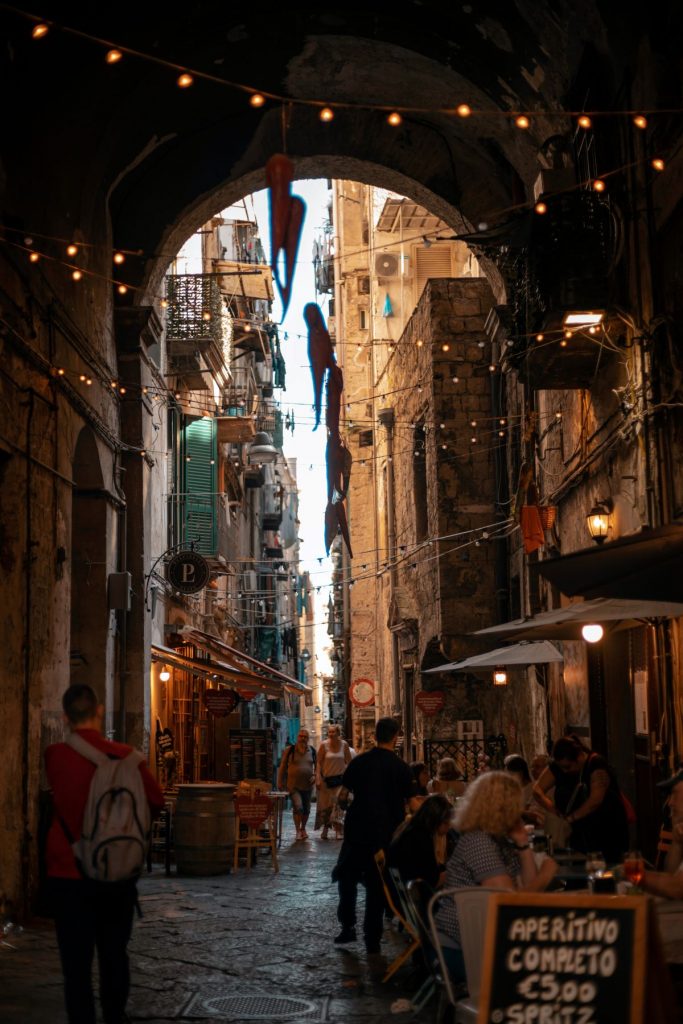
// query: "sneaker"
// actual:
[[345, 935]]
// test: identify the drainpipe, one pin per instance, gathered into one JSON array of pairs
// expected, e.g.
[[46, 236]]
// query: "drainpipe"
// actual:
[[26, 837], [386, 419]]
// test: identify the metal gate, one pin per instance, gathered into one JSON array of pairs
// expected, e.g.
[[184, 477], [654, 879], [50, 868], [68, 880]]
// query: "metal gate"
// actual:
[[466, 754]]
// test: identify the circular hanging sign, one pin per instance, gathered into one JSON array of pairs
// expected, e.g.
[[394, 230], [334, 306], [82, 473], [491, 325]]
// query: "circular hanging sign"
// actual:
[[188, 572], [221, 702], [362, 692], [430, 702]]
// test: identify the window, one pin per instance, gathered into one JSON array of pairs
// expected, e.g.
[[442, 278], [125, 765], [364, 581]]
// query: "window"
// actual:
[[198, 484], [365, 439], [363, 319], [420, 483]]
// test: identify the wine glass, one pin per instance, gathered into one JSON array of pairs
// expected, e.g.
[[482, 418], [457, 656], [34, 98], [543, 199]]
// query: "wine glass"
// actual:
[[634, 867]]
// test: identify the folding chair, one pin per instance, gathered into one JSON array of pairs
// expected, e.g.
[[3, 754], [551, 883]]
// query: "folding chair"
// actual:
[[472, 909], [380, 861], [250, 836], [426, 990]]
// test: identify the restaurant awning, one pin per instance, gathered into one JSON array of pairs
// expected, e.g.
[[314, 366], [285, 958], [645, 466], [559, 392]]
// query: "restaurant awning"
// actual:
[[228, 670], [539, 652], [647, 565], [566, 623], [241, 662]]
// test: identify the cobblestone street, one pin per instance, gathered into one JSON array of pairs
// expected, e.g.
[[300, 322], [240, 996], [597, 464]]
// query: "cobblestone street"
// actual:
[[247, 946]]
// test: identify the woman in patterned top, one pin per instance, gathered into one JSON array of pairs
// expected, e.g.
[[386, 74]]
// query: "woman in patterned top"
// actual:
[[492, 851]]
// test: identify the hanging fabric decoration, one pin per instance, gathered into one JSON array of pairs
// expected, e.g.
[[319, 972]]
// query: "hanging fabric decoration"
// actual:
[[320, 353], [387, 311], [287, 214]]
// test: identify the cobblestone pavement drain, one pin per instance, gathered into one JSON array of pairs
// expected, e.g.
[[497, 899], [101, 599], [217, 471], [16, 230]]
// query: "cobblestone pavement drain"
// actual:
[[248, 946]]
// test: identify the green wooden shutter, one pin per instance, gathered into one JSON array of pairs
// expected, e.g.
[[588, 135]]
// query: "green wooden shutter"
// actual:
[[199, 487]]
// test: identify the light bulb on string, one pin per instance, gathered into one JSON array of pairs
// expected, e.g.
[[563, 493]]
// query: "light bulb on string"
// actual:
[[541, 208], [34, 257], [119, 258], [326, 114], [463, 110], [40, 30], [122, 289], [658, 164], [184, 81], [640, 121], [540, 337], [521, 121], [445, 347], [599, 185], [584, 122], [76, 275], [257, 99], [394, 119], [71, 249], [113, 56]]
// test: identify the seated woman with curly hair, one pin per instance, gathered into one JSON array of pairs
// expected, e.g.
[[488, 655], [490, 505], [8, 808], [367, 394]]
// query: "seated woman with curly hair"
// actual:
[[492, 851]]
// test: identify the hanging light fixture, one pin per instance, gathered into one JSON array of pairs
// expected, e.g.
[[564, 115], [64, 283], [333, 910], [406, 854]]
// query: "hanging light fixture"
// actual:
[[597, 520], [592, 632], [262, 449], [500, 677], [164, 675]]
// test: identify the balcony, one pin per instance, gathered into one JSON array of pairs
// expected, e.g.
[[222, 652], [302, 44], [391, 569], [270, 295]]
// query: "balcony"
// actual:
[[246, 280], [198, 330]]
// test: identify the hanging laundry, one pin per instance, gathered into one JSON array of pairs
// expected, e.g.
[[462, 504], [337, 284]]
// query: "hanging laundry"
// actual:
[[387, 311]]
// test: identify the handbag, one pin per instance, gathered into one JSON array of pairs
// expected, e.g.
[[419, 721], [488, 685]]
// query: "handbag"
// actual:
[[332, 781]]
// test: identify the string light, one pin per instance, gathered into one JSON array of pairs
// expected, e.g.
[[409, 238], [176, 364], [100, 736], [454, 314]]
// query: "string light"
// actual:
[[122, 289], [327, 114], [122, 391], [522, 121], [492, 367], [599, 185], [658, 164], [455, 380], [541, 208], [113, 56], [119, 258], [61, 371], [394, 118], [463, 110], [40, 30], [164, 303], [184, 81], [584, 121], [540, 337], [419, 343], [71, 250], [34, 257], [640, 121], [257, 99], [445, 347], [76, 275], [563, 343], [206, 315]]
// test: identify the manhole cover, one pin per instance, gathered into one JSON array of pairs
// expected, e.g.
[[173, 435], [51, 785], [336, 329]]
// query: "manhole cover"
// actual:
[[231, 1007]]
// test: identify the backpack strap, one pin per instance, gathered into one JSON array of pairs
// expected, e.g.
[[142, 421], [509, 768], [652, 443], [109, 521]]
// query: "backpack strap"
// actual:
[[85, 749]]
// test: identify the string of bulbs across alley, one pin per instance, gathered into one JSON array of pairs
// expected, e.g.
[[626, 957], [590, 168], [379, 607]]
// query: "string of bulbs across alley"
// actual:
[[287, 213]]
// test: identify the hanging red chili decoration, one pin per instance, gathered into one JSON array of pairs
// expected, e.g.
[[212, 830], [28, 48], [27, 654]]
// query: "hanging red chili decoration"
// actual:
[[286, 221], [320, 353]]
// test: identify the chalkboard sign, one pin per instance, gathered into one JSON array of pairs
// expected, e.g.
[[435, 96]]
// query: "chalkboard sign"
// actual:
[[564, 959]]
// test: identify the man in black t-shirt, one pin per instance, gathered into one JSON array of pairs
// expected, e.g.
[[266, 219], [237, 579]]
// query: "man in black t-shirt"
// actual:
[[381, 785]]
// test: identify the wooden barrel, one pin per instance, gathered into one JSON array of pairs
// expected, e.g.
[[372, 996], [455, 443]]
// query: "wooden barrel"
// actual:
[[204, 828]]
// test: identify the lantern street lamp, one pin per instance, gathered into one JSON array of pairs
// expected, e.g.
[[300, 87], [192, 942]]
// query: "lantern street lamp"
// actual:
[[597, 521], [500, 677]]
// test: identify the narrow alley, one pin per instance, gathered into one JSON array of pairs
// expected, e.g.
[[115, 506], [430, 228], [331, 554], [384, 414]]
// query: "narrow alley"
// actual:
[[248, 946]]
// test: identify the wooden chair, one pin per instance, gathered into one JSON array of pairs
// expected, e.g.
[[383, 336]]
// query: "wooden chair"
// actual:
[[380, 861]]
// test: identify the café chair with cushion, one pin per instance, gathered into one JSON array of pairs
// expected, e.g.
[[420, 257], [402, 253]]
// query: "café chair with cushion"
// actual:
[[472, 906]]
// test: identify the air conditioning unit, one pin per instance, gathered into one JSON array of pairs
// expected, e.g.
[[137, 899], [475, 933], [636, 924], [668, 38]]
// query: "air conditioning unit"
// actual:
[[249, 581], [387, 264], [470, 730]]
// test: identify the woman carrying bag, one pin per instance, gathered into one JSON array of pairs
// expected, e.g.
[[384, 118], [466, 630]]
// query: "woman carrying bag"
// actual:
[[333, 756]]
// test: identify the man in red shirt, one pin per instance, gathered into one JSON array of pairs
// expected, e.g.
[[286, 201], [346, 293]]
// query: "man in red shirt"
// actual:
[[88, 914]]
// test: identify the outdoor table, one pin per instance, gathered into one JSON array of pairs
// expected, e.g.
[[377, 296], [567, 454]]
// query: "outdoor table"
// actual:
[[670, 922]]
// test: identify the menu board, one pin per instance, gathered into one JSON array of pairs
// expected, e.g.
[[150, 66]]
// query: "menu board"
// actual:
[[568, 959], [250, 755]]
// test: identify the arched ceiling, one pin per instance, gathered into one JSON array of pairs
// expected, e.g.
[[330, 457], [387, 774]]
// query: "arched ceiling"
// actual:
[[126, 143]]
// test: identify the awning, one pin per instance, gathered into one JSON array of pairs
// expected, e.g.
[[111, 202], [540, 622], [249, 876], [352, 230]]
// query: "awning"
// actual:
[[233, 668], [646, 565], [566, 623], [248, 684], [245, 663], [539, 652]]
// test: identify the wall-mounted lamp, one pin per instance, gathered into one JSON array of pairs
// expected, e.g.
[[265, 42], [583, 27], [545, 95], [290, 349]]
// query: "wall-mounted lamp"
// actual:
[[592, 632], [597, 520], [500, 677], [164, 675], [583, 319]]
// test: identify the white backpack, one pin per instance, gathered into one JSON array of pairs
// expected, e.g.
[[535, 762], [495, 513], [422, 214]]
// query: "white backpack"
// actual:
[[117, 818]]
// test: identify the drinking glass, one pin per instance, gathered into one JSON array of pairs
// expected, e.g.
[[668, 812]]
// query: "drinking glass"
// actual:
[[634, 867], [595, 863]]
